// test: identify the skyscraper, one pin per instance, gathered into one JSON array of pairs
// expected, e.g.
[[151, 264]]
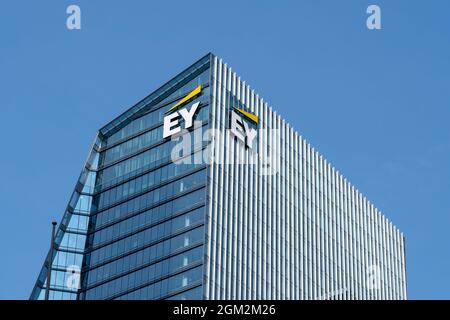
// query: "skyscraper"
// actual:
[[201, 191]]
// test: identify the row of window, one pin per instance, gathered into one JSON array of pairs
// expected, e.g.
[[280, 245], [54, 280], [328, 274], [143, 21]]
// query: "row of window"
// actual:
[[78, 223], [160, 194], [132, 145], [150, 254], [144, 122], [142, 183], [64, 259], [73, 241], [193, 294], [146, 160], [150, 273], [202, 79], [58, 295], [156, 116], [166, 287], [142, 141], [164, 210], [67, 279], [81, 203], [138, 259], [142, 239], [133, 224]]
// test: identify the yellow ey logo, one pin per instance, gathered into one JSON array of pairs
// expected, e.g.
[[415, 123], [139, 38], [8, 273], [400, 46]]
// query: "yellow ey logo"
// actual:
[[171, 121], [241, 129], [188, 97]]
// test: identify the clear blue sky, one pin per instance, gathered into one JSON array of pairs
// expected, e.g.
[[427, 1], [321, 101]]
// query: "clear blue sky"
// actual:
[[375, 103]]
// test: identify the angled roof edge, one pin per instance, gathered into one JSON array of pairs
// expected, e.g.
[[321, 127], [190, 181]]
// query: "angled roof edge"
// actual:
[[128, 115]]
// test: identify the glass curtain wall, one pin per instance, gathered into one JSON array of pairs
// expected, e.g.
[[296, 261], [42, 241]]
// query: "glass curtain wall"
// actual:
[[134, 228]]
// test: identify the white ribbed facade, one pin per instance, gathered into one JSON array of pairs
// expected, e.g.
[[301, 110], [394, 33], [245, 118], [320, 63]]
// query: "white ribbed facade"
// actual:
[[304, 233]]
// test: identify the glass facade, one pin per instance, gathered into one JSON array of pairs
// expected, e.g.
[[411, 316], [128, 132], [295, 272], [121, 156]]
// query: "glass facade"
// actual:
[[140, 226], [134, 228]]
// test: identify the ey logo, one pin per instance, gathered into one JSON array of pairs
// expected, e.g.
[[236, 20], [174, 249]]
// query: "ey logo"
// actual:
[[241, 129], [171, 121]]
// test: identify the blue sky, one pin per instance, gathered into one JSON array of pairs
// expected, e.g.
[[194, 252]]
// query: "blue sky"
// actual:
[[375, 103]]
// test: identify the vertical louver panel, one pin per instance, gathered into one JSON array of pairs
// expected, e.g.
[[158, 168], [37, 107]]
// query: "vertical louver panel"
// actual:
[[302, 233]]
